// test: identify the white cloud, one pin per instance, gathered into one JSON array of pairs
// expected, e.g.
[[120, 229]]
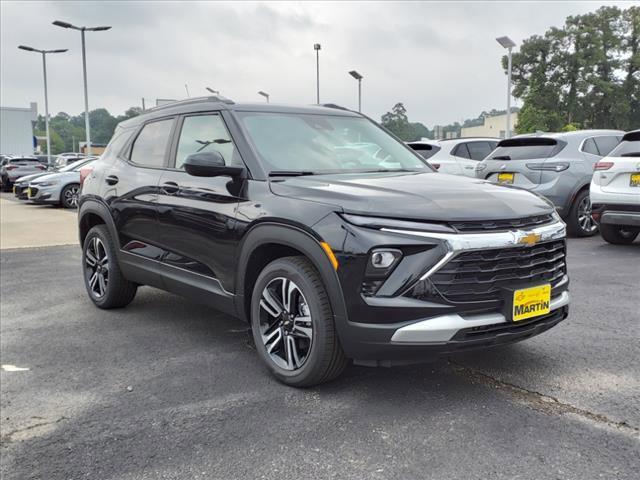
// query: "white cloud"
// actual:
[[441, 59]]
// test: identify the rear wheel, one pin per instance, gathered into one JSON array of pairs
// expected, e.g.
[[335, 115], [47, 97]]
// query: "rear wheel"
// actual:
[[579, 221], [292, 324], [103, 279], [617, 234], [69, 196]]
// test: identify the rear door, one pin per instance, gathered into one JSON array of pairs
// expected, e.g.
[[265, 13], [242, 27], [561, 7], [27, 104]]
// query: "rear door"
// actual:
[[197, 214], [478, 150], [518, 161]]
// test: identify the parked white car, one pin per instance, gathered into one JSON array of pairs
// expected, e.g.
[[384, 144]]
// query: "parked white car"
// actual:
[[615, 191], [458, 156]]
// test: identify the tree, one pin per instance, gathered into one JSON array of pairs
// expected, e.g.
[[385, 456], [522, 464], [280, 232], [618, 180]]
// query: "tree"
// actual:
[[397, 122], [585, 73]]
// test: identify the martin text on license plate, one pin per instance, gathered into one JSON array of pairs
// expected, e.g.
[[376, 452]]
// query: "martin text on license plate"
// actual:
[[635, 180], [506, 177], [531, 302]]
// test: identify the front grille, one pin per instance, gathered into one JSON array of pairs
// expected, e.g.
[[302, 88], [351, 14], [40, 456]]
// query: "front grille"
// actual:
[[481, 276], [497, 225]]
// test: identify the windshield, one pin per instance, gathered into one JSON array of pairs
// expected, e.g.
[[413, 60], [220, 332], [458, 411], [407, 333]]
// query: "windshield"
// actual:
[[626, 149], [313, 144]]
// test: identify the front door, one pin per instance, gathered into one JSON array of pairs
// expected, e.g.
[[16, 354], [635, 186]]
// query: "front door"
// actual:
[[196, 215]]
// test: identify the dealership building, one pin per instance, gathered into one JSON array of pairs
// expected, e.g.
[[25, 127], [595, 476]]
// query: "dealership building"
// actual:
[[16, 130]]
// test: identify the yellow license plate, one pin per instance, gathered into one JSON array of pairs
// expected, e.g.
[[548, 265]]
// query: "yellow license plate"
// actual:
[[506, 177], [14, 189], [635, 180], [531, 302]]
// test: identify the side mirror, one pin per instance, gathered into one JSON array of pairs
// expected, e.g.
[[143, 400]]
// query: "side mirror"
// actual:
[[210, 164]]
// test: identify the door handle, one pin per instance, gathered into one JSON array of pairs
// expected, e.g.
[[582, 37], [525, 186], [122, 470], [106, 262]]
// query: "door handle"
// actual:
[[111, 180], [169, 188]]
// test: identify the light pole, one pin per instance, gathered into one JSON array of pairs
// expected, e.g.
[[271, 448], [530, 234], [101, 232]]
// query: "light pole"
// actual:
[[46, 97], [264, 94], [359, 78], [507, 43], [87, 127], [316, 47], [215, 92]]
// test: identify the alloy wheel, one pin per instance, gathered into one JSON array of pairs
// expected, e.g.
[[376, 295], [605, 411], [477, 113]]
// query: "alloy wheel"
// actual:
[[97, 267], [71, 196], [584, 216], [286, 328]]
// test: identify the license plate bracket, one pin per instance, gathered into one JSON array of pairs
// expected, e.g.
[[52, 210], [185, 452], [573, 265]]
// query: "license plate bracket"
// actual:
[[526, 302], [506, 177]]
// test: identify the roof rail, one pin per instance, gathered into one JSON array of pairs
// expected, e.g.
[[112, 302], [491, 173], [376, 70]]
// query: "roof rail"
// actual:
[[333, 105], [189, 101]]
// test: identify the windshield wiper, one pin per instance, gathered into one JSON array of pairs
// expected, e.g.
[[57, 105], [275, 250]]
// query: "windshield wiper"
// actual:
[[631, 154], [290, 173], [502, 157]]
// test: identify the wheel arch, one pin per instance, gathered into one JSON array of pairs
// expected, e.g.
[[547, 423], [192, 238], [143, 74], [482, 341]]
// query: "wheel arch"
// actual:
[[92, 213], [269, 241]]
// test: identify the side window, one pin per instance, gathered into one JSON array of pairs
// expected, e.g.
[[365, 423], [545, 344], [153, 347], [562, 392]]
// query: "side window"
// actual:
[[479, 150], [150, 146], [205, 133], [461, 151], [589, 146], [606, 144]]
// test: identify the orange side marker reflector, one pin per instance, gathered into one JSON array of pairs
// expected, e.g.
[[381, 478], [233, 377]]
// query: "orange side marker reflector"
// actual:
[[332, 258]]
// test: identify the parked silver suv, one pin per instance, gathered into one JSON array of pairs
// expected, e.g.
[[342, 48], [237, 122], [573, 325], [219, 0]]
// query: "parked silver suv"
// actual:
[[558, 166]]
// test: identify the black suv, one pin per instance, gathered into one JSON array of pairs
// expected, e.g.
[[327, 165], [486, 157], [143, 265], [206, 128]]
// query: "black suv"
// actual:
[[323, 231]]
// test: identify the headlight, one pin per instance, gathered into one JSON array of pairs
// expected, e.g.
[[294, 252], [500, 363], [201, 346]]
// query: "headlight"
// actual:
[[379, 223], [481, 166], [45, 184]]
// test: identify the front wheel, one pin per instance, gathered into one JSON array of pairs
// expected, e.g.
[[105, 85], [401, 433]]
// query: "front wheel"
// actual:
[[617, 234], [105, 284], [69, 196], [579, 221], [292, 324]]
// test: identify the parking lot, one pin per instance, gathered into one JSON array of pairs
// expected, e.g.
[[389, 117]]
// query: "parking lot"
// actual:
[[169, 389]]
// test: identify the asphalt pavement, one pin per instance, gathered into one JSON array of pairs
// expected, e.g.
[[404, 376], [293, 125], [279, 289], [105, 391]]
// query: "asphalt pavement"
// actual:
[[168, 389]]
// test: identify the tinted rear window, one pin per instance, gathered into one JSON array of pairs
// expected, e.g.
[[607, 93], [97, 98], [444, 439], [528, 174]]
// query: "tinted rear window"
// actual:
[[627, 149], [606, 144], [426, 151], [527, 148], [23, 160]]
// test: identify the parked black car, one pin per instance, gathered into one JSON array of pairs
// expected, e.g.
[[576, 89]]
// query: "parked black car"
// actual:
[[331, 250]]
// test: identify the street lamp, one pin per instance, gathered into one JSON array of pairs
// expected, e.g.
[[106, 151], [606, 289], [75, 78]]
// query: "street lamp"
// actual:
[[215, 92], [58, 23], [507, 43], [316, 47], [46, 98], [264, 94], [359, 78]]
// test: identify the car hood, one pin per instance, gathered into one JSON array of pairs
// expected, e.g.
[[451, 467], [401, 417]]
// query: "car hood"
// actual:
[[59, 176], [418, 196], [29, 178]]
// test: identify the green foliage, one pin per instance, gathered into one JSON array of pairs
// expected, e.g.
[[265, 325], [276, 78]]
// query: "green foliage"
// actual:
[[570, 127], [67, 131], [586, 73], [397, 122]]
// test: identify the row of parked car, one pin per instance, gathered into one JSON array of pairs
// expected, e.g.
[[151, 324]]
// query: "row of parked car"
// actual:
[[57, 183], [560, 167]]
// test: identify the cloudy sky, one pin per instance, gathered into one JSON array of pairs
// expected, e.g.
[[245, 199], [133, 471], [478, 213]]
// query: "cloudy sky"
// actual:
[[439, 58]]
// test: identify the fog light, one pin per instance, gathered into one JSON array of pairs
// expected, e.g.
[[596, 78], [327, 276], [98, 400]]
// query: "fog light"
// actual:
[[383, 259]]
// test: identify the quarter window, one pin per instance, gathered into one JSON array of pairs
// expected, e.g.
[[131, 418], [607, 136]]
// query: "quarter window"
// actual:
[[479, 150], [589, 146], [205, 133], [606, 144], [151, 145], [461, 151]]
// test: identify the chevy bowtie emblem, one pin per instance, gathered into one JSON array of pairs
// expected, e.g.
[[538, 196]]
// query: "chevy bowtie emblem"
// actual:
[[529, 239]]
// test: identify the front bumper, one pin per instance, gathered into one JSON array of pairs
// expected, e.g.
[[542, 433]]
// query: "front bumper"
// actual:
[[403, 328], [44, 194]]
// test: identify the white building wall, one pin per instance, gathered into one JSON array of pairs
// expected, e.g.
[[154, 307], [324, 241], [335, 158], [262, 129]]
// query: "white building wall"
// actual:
[[493, 127], [16, 130]]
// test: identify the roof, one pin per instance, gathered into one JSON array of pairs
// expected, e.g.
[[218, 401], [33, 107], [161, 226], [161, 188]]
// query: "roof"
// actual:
[[577, 134], [203, 104]]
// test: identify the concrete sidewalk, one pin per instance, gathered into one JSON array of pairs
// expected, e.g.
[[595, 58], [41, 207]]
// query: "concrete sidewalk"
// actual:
[[23, 225]]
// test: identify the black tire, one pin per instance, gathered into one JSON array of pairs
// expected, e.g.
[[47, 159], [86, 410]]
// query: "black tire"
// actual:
[[579, 221], [324, 359], [6, 184], [617, 234], [118, 291], [69, 195]]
